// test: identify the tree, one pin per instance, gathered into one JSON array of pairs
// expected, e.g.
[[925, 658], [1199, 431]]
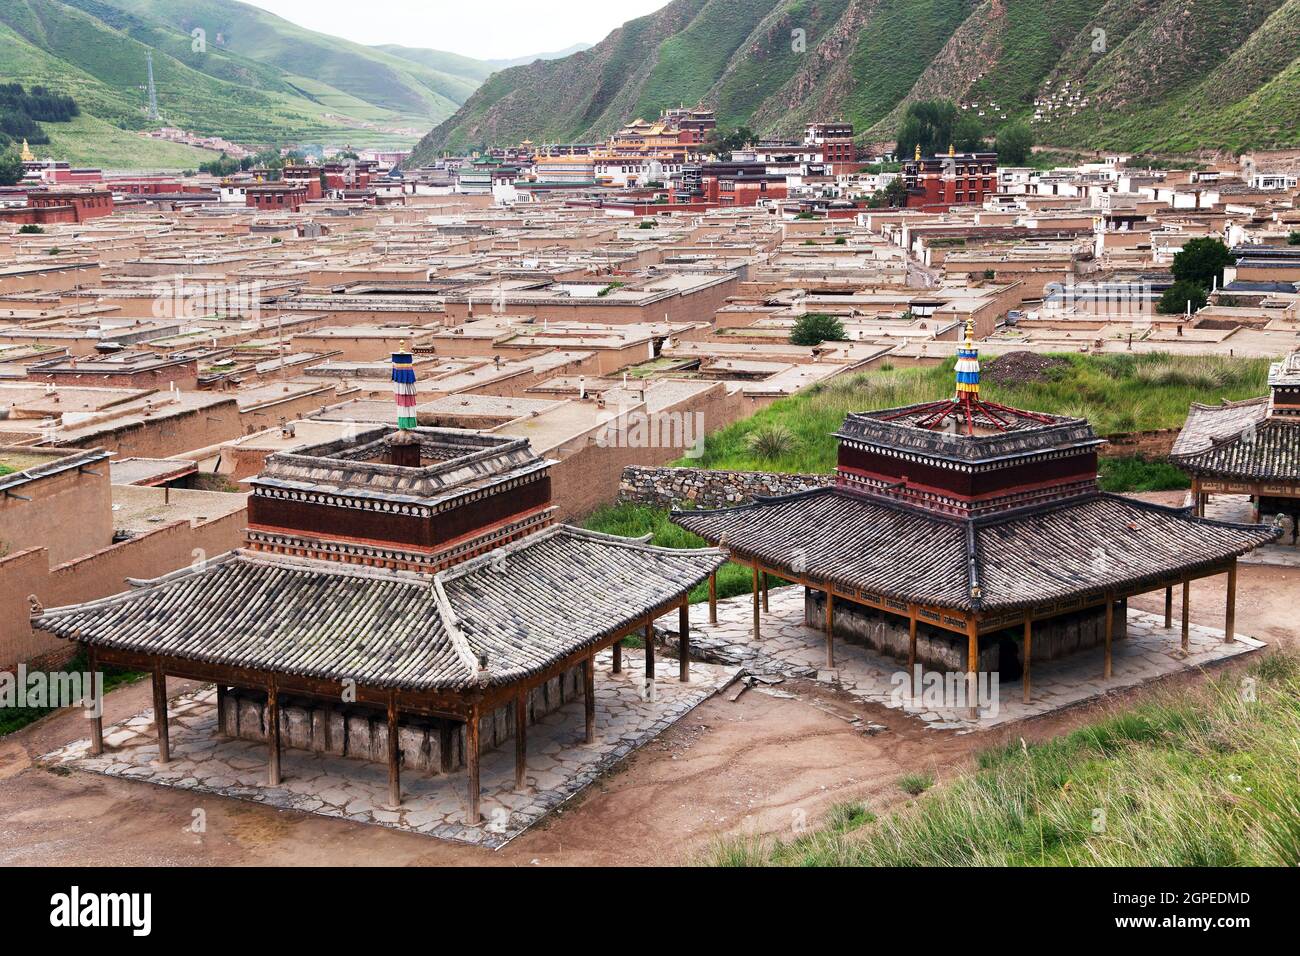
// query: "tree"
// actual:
[[31, 228], [1293, 239], [1201, 261], [968, 134], [893, 196], [929, 124], [1014, 143], [1176, 297], [816, 328], [739, 137], [11, 169]]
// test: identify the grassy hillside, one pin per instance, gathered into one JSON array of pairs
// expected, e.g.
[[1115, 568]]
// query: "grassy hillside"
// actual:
[[1169, 75], [1202, 777], [259, 80]]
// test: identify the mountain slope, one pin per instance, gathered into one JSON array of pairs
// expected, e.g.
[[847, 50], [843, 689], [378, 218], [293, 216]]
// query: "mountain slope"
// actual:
[[258, 80], [1170, 75]]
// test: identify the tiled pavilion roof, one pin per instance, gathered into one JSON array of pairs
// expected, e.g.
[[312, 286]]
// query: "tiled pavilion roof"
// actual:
[[1005, 561], [524, 606]]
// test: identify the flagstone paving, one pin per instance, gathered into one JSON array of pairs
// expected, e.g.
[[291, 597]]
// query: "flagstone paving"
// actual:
[[788, 648], [560, 763], [1238, 509]]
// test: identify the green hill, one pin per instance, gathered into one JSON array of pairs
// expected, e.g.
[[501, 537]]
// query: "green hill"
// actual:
[[1169, 75], [258, 79]]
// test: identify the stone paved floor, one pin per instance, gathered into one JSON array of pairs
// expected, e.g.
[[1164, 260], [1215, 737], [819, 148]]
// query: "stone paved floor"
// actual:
[[1238, 508], [789, 648], [560, 764]]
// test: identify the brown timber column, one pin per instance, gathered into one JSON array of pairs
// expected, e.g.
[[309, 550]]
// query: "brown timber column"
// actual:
[[1169, 607], [160, 713], [394, 754], [684, 642], [1029, 641], [911, 651], [1187, 595], [756, 600], [1110, 632], [97, 721], [765, 582], [273, 732], [972, 667], [221, 708], [649, 653], [471, 765], [617, 648], [1230, 611], [713, 598], [830, 628], [589, 697], [521, 740]]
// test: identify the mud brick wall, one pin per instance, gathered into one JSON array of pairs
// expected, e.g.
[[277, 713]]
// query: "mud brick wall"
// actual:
[[1156, 443], [668, 488]]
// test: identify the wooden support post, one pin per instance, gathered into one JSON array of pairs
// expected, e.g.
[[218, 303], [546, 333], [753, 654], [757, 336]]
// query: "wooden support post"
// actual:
[[617, 648], [757, 598], [221, 709], [684, 642], [830, 629], [914, 682], [713, 598], [471, 766], [1230, 610], [589, 697], [1169, 607], [394, 754], [160, 713], [521, 740], [765, 585], [273, 733], [446, 739], [1187, 600], [97, 720], [1029, 643], [972, 667], [649, 653], [1110, 633]]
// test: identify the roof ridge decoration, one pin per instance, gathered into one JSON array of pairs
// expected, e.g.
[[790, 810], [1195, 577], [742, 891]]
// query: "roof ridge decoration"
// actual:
[[404, 387]]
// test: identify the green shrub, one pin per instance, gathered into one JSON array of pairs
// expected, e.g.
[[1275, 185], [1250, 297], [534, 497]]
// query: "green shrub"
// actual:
[[816, 328]]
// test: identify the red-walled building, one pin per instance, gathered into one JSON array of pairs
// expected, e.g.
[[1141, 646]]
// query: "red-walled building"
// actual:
[[61, 205], [937, 183], [835, 141], [275, 197]]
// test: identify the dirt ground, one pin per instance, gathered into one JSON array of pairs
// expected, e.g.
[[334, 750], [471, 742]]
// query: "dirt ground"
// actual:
[[758, 765]]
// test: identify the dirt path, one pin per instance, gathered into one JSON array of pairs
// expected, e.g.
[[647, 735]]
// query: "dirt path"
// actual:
[[757, 765]]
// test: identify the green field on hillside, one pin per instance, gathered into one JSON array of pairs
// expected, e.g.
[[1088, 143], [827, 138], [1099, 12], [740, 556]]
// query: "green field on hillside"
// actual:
[[1208, 776]]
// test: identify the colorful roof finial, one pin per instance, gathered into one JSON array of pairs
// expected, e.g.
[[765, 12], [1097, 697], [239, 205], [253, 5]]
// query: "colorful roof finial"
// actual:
[[968, 364], [918, 151], [404, 387]]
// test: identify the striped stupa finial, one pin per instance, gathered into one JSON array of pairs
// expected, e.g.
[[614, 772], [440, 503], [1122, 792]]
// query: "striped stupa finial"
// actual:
[[404, 387], [968, 363]]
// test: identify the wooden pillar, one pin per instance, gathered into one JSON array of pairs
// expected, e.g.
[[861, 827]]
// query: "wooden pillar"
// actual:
[[160, 713], [765, 584], [649, 652], [617, 648], [589, 697], [1029, 642], [757, 598], [911, 652], [1169, 607], [1110, 633], [97, 721], [713, 598], [1187, 595], [830, 628], [273, 733], [521, 740], [446, 736], [394, 754], [221, 709], [1230, 610], [972, 667], [471, 766], [684, 642]]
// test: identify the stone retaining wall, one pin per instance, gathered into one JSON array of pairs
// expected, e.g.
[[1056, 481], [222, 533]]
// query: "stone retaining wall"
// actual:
[[361, 732], [669, 488]]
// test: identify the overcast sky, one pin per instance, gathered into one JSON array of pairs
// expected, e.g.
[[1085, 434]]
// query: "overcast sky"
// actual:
[[487, 29]]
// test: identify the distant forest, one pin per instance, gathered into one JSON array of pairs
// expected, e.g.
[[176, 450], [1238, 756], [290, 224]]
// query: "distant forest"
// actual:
[[21, 111]]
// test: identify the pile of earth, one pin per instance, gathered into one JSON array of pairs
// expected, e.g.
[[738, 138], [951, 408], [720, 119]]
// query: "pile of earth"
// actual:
[[1021, 368]]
